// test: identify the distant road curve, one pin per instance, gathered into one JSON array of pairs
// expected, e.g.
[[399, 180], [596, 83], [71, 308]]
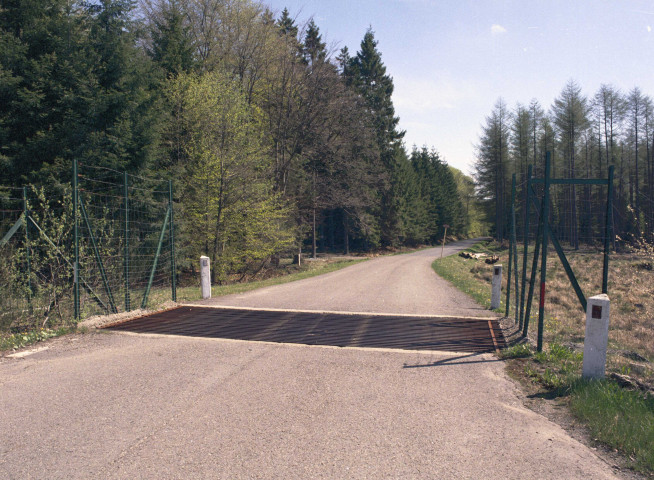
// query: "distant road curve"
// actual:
[[389, 284]]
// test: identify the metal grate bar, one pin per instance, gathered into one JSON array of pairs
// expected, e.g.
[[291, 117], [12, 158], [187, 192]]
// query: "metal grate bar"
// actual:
[[342, 330]]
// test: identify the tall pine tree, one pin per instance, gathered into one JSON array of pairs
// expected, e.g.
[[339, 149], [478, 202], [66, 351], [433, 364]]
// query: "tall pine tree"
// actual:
[[366, 73]]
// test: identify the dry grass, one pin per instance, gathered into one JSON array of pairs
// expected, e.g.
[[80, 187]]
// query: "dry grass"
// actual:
[[631, 290]]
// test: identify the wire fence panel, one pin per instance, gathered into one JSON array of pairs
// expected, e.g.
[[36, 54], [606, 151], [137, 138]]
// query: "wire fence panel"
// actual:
[[125, 241], [121, 234], [14, 292]]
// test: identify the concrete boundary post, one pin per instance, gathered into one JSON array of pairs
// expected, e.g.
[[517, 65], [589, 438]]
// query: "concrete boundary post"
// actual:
[[496, 287], [597, 336], [205, 277]]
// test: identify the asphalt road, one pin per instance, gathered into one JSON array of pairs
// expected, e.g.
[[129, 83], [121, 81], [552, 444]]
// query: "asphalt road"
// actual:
[[116, 405], [390, 284]]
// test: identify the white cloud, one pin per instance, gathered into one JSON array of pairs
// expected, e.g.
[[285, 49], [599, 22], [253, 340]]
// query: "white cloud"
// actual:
[[649, 28], [497, 29]]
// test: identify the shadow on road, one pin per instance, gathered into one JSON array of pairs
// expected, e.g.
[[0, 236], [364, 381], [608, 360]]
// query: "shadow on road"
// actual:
[[459, 360]]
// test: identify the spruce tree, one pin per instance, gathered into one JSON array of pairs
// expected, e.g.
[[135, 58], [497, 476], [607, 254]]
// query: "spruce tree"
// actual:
[[287, 24], [172, 46], [366, 73], [313, 48]]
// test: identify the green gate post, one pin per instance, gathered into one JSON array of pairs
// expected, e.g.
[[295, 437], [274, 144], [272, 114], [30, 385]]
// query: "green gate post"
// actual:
[[534, 268], [27, 251], [516, 274], [173, 269], [607, 232], [144, 303], [508, 280], [526, 247], [76, 299], [126, 249], [98, 257], [543, 264]]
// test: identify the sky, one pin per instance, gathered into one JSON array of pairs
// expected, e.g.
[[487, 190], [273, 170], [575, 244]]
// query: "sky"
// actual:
[[452, 59]]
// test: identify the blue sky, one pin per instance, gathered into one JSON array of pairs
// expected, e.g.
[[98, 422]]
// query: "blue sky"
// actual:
[[451, 60]]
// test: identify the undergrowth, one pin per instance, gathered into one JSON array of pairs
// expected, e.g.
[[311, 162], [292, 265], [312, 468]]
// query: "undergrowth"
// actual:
[[20, 340]]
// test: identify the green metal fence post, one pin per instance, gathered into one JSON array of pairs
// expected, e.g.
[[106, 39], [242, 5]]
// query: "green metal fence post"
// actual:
[[76, 298], [516, 274], [126, 242], [173, 269], [526, 247], [98, 257], [508, 280], [607, 232], [27, 251], [543, 264], [144, 303], [534, 268]]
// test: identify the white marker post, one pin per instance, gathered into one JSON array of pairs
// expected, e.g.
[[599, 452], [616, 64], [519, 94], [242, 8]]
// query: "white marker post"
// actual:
[[205, 277], [597, 336], [496, 285]]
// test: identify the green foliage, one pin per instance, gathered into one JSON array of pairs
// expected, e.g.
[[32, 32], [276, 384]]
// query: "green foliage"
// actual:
[[561, 367], [229, 208], [492, 169], [620, 418], [521, 350], [472, 212], [75, 84], [270, 142], [438, 189], [287, 24], [20, 340], [172, 45], [366, 74]]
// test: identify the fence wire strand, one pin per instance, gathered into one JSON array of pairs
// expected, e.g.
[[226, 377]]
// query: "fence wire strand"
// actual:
[[119, 232]]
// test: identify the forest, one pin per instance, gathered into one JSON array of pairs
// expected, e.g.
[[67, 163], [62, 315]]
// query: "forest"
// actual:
[[274, 143], [585, 135]]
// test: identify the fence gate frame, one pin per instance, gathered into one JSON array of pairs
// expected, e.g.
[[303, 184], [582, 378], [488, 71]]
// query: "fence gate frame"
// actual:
[[543, 236], [79, 210]]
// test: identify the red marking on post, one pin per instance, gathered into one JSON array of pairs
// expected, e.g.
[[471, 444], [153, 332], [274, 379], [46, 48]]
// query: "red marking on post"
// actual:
[[542, 294]]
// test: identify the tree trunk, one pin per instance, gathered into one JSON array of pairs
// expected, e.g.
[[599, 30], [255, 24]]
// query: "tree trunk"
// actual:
[[313, 225], [346, 238]]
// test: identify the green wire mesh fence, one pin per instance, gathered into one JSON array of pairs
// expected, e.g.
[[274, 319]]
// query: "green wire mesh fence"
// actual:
[[118, 229]]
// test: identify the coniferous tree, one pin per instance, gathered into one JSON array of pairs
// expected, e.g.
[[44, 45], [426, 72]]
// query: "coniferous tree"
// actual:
[[366, 73], [521, 140], [287, 24], [172, 45], [78, 87], [44, 85], [570, 117], [313, 48], [491, 170]]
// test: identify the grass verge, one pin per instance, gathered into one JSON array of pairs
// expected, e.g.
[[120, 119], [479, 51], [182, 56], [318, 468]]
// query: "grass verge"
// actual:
[[622, 419], [619, 418], [20, 340], [190, 294], [456, 271], [616, 417]]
